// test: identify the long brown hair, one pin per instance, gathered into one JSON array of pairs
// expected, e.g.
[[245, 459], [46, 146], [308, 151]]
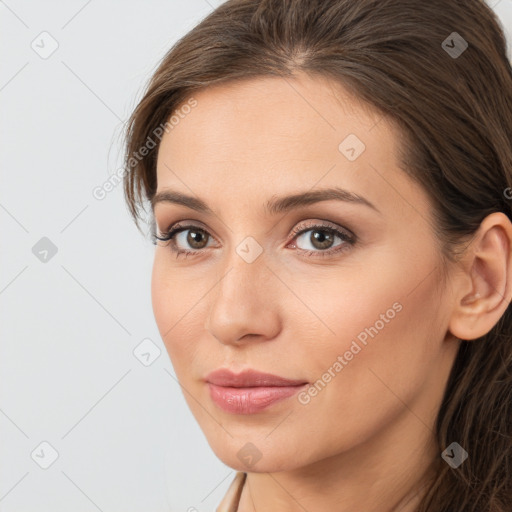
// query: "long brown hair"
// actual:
[[437, 68]]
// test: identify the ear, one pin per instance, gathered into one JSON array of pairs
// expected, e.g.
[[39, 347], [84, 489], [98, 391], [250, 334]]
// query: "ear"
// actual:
[[483, 289]]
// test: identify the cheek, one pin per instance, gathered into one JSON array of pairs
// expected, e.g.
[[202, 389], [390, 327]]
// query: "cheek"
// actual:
[[160, 296], [387, 340], [173, 308], [381, 315]]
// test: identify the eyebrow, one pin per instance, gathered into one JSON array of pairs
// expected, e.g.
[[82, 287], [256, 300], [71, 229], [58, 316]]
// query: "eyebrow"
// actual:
[[273, 206]]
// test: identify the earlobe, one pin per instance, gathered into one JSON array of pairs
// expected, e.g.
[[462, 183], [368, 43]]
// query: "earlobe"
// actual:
[[488, 275]]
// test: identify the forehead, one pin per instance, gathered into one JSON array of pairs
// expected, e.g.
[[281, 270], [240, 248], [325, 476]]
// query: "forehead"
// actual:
[[267, 114], [256, 137]]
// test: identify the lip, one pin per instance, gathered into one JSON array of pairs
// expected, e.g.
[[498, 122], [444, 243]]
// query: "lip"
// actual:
[[249, 379], [249, 391]]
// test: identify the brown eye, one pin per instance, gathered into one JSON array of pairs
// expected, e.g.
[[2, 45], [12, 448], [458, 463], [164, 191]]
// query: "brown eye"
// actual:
[[319, 239], [185, 239], [196, 238], [189, 238]]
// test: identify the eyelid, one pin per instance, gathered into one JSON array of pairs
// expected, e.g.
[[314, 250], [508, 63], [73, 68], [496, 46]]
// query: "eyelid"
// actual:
[[325, 224], [171, 225], [179, 226]]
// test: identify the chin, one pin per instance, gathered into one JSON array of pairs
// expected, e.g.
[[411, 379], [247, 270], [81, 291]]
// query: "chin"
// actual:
[[257, 457]]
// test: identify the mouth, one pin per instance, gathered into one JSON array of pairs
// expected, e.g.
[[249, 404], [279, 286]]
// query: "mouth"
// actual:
[[250, 391]]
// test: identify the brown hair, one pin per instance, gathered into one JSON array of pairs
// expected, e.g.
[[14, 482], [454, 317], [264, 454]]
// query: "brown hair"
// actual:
[[455, 115]]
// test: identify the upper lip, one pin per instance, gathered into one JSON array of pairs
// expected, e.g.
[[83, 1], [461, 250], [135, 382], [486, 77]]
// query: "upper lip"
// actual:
[[248, 378]]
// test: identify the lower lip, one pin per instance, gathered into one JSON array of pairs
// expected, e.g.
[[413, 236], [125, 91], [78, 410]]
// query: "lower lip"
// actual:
[[250, 400]]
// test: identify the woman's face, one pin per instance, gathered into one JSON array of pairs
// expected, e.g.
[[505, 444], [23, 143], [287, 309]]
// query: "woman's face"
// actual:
[[343, 295]]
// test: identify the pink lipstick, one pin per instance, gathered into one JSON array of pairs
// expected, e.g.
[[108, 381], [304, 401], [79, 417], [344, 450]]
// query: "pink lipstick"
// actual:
[[250, 391]]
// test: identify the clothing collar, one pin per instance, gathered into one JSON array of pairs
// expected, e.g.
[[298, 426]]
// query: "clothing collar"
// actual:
[[231, 499]]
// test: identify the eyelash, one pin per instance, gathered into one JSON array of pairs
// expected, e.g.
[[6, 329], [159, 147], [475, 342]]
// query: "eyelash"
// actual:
[[348, 239]]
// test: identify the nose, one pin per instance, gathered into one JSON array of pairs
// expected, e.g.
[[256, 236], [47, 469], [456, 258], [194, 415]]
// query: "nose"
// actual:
[[245, 304]]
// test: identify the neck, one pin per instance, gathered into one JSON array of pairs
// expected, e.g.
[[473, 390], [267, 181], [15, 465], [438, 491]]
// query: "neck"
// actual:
[[387, 473]]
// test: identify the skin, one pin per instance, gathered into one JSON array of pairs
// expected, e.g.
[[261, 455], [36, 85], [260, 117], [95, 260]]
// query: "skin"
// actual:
[[366, 440]]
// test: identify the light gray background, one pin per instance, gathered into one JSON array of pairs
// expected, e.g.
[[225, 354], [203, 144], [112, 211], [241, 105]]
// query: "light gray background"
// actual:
[[125, 438]]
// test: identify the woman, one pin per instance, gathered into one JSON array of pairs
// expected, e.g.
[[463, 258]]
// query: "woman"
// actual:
[[330, 186]]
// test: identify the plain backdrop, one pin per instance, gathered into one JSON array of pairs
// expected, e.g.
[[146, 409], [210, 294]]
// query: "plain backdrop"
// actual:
[[91, 416]]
